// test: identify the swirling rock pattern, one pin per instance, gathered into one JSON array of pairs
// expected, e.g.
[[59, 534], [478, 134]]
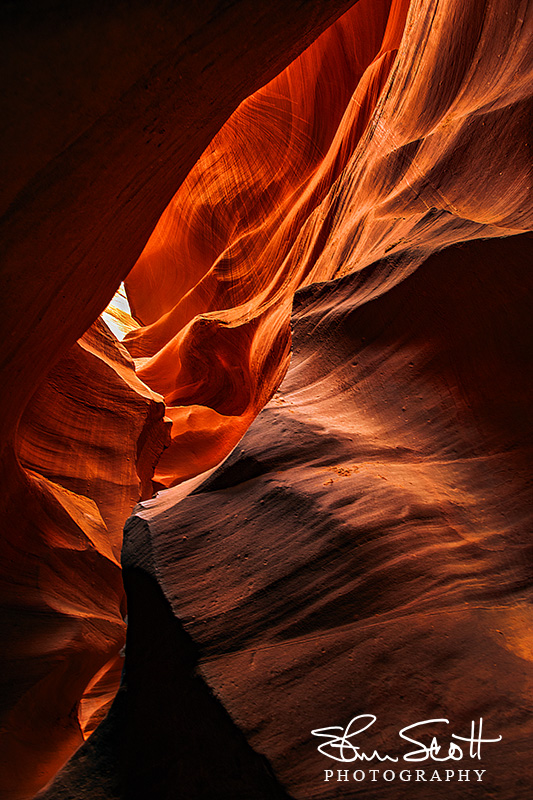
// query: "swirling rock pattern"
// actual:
[[365, 547], [91, 424], [106, 108], [215, 282], [298, 188]]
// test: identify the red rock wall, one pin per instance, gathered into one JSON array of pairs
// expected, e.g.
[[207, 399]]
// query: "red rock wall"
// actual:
[[267, 208], [366, 547], [370, 532], [80, 437], [213, 287], [106, 107]]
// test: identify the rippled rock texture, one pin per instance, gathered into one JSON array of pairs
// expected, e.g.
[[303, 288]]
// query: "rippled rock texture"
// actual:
[[336, 306], [106, 108], [365, 549]]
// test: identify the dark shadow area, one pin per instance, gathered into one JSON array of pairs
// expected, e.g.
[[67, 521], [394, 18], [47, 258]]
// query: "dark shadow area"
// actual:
[[166, 736]]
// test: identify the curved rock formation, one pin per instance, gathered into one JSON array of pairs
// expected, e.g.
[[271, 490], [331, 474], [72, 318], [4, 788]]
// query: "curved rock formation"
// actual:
[[281, 199], [364, 548], [105, 110], [89, 439], [214, 284]]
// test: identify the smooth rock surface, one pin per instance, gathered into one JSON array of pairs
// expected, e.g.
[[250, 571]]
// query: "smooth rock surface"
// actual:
[[365, 547]]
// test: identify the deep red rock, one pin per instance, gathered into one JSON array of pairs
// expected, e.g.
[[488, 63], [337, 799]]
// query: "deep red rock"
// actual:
[[106, 107], [365, 547]]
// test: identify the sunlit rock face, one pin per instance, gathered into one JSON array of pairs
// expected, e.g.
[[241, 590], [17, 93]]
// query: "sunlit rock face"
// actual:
[[365, 548], [213, 288], [299, 188]]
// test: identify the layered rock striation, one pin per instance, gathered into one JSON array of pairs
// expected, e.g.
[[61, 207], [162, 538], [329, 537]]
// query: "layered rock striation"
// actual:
[[106, 108], [328, 365]]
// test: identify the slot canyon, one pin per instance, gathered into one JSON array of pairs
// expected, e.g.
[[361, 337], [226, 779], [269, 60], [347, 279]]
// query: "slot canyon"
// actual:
[[266, 426]]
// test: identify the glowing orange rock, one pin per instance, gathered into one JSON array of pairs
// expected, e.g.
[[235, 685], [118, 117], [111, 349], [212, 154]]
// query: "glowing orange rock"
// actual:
[[298, 188], [104, 116], [403, 129], [213, 288], [86, 428]]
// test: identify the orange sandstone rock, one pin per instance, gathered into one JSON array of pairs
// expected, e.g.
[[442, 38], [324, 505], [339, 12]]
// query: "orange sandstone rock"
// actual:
[[105, 111], [368, 537]]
